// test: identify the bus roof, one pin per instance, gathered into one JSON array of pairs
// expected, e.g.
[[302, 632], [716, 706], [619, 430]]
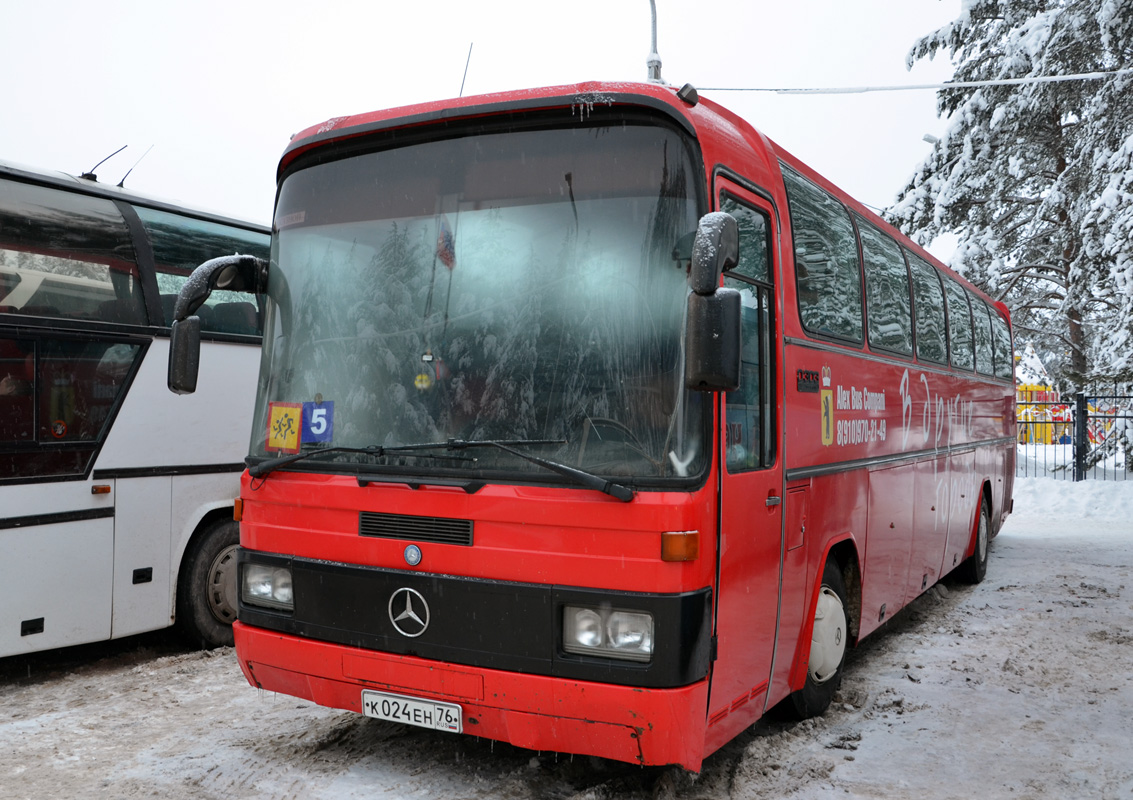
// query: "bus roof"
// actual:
[[63, 180]]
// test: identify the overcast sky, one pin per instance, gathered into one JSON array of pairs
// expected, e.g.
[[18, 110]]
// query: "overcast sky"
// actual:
[[217, 88]]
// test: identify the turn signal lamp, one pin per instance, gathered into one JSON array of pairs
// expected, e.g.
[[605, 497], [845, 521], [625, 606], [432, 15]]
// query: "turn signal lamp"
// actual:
[[680, 545]]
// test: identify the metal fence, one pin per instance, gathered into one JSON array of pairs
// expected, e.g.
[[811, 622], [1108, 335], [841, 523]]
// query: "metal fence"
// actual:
[[1088, 436]]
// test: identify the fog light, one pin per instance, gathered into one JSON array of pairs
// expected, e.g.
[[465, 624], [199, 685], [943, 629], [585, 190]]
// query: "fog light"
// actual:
[[612, 633], [267, 586]]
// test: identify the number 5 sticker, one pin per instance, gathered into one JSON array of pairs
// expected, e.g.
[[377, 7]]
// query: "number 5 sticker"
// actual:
[[318, 422]]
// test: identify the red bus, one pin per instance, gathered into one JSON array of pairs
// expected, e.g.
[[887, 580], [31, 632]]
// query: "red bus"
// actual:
[[592, 421]]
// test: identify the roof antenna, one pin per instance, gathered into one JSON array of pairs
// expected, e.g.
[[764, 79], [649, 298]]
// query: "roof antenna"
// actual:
[[131, 169], [653, 63], [466, 63], [90, 176]]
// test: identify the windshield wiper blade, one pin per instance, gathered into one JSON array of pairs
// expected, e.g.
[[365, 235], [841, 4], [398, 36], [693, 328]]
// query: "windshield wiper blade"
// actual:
[[587, 479], [375, 451]]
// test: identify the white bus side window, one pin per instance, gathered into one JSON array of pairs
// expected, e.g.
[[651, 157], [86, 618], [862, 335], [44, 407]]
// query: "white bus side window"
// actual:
[[66, 255], [180, 244]]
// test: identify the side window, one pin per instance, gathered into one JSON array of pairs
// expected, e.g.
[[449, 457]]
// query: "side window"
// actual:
[[17, 392], [826, 261], [959, 327], [748, 408], [886, 291], [66, 255], [928, 305], [1001, 338], [57, 396], [180, 244], [984, 361]]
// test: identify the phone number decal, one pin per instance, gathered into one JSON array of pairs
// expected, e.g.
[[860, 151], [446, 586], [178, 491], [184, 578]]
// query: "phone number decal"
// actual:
[[860, 431]]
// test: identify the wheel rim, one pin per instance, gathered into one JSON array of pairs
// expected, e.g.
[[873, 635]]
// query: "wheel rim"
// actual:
[[222, 586], [828, 641]]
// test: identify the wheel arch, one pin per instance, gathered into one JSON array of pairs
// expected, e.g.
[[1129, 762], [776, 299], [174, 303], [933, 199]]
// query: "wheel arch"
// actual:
[[207, 516], [843, 550]]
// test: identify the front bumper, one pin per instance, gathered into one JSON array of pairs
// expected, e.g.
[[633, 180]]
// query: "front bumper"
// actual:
[[540, 712]]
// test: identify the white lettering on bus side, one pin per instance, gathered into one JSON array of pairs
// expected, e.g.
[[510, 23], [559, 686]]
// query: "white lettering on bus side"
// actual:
[[906, 409]]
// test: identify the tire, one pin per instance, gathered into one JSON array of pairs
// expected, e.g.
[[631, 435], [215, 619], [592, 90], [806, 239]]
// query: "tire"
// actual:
[[206, 589], [828, 643], [974, 568]]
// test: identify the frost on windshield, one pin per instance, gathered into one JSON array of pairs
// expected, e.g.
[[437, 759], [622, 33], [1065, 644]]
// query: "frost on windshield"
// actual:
[[551, 314]]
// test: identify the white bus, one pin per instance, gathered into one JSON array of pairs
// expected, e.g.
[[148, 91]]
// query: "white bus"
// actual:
[[116, 495]]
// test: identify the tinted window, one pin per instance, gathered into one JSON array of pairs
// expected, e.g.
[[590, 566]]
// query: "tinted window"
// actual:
[[755, 263], [66, 255], [887, 291], [57, 396], [182, 243], [748, 437], [959, 327], [984, 361], [1004, 356], [826, 261], [928, 304]]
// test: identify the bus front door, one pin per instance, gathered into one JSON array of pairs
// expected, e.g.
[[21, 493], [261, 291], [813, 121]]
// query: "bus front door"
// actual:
[[751, 483]]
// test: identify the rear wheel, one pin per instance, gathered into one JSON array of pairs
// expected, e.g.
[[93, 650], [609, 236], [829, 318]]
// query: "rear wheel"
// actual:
[[974, 568], [206, 590], [828, 642]]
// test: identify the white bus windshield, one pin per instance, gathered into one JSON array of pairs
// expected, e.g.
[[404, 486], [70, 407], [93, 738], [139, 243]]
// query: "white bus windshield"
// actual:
[[513, 286]]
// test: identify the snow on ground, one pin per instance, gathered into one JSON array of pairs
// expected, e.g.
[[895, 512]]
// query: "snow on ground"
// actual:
[[1017, 688]]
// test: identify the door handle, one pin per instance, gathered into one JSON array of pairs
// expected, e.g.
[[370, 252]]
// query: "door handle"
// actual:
[[772, 500]]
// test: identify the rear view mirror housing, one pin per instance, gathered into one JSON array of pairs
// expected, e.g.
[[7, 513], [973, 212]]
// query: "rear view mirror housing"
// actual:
[[184, 355], [712, 322], [235, 273]]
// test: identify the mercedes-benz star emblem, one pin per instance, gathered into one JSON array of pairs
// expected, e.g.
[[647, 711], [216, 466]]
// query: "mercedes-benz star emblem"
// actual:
[[408, 612], [412, 555]]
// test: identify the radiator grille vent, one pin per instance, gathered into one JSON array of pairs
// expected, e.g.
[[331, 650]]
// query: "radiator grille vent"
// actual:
[[416, 529]]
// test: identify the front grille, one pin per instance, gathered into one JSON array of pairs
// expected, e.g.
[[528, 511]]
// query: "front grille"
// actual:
[[416, 529]]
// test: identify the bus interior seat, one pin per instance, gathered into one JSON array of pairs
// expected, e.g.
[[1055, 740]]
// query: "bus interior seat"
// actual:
[[240, 317], [40, 311], [168, 302], [123, 311]]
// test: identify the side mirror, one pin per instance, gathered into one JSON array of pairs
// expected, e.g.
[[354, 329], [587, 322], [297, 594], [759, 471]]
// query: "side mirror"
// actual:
[[238, 273], [184, 355], [712, 323], [715, 249]]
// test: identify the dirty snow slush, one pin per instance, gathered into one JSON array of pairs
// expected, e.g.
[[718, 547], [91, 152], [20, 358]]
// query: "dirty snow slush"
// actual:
[[1019, 687]]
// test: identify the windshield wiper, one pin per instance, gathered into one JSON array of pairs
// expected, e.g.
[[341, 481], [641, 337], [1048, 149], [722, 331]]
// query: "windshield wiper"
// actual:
[[587, 479], [374, 451]]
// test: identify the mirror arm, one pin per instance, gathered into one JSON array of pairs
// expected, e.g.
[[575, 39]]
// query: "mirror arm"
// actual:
[[236, 272]]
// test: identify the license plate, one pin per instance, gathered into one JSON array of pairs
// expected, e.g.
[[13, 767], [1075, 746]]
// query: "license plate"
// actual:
[[411, 711]]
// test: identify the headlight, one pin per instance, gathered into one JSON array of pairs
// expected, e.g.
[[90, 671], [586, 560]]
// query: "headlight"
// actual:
[[608, 632], [267, 586]]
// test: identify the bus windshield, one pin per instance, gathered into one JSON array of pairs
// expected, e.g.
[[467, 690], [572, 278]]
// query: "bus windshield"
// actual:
[[524, 286]]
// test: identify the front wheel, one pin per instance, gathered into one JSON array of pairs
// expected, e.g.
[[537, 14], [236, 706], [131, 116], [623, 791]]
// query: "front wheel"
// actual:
[[206, 589], [828, 641], [974, 568]]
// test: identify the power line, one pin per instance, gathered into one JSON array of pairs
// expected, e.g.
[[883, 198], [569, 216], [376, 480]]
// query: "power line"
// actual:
[[1082, 76]]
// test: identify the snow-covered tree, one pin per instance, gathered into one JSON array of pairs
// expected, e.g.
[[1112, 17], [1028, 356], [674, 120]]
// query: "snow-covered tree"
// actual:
[[1035, 179]]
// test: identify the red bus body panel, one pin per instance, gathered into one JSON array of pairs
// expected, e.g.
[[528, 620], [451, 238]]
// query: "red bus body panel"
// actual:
[[891, 490]]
